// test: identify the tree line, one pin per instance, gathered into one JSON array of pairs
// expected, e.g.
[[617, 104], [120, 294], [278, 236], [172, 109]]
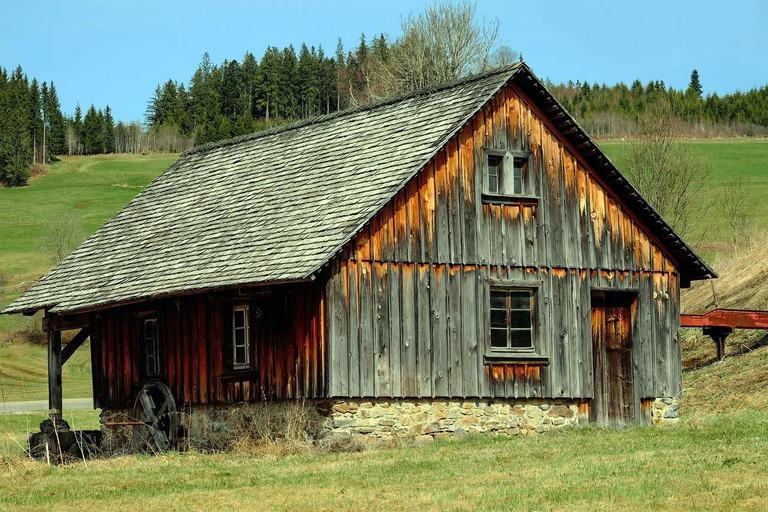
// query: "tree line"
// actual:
[[619, 110]]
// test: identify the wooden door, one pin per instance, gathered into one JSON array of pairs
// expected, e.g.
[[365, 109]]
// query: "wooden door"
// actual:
[[613, 404]]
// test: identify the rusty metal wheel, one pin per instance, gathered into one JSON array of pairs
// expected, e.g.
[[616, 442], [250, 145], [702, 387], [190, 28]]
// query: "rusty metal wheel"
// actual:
[[155, 409]]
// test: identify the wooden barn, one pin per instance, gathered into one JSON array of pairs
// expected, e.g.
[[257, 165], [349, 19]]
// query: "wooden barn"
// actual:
[[463, 258]]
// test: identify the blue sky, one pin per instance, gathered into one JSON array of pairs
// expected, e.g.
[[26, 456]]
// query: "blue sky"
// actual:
[[115, 53]]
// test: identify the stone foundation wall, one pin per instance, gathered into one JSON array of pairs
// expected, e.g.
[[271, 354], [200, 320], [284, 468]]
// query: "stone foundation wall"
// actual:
[[363, 421], [666, 411]]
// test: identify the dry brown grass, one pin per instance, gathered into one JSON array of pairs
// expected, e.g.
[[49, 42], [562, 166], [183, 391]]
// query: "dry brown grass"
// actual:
[[733, 385], [743, 281]]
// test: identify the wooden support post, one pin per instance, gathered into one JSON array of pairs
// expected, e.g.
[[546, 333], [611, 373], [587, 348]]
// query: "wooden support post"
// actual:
[[718, 335], [54, 375]]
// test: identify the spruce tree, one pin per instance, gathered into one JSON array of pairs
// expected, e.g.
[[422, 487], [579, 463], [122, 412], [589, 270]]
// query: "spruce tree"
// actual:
[[108, 130], [695, 84]]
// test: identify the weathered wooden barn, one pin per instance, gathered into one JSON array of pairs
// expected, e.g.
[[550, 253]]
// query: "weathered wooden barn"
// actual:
[[462, 258]]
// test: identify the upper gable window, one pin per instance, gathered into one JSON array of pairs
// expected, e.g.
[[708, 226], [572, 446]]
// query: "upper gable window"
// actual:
[[504, 176]]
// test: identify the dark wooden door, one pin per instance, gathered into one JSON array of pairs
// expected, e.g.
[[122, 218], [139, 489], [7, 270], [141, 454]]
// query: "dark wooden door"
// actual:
[[613, 404]]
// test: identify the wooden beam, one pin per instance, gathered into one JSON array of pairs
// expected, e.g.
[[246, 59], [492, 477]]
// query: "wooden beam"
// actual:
[[75, 344], [54, 375], [65, 322]]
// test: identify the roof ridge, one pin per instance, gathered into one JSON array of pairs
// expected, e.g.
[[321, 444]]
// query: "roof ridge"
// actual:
[[348, 111]]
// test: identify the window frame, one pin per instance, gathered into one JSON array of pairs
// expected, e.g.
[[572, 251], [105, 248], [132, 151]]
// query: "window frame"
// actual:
[[241, 365], [505, 191], [144, 347], [511, 354]]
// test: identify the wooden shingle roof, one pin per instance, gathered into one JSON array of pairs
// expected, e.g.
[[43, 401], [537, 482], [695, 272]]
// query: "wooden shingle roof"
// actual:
[[278, 205]]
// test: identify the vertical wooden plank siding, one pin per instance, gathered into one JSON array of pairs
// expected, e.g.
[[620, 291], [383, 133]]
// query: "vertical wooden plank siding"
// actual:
[[448, 242]]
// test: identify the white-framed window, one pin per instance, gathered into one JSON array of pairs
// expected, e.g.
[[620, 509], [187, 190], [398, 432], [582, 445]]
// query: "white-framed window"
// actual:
[[241, 357], [504, 172], [151, 347]]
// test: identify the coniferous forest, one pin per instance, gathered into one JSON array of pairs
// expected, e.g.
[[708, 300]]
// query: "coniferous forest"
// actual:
[[238, 97]]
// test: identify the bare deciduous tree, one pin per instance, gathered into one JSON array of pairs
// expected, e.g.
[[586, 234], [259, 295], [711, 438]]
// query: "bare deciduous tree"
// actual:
[[735, 204], [61, 236], [666, 172], [443, 43]]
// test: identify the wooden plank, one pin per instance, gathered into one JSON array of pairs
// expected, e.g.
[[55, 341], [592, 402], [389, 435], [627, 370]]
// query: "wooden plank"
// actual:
[[383, 375], [557, 357], [455, 349], [387, 226], [409, 356], [439, 305], [482, 308], [424, 330], [367, 340], [202, 344], [470, 195], [574, 335], [584, 218], [96, 371], [395, 330], [469, 330], [585, 316], [498, 383], [337, 333], [442, 230], [455, 202], [401, 242], [427, 196], [352, 352], [481, 220], [413, 220]]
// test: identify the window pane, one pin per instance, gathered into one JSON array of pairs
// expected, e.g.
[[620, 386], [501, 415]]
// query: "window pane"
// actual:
[[518, 175], [240, 355], [521, 338], [494, 173], [239, 337], [498, 318], [499, 338], [521, 300], [239, 318], [498, 300], [520, 319]]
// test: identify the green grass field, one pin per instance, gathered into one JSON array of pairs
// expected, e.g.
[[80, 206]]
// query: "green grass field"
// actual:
[[713, 463]]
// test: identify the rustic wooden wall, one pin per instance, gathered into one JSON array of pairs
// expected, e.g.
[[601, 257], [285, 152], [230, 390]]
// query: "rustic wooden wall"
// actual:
[[406, 301], [287, 348]]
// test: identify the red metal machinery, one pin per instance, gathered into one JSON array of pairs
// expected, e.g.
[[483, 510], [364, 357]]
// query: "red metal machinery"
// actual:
[[719, 323]]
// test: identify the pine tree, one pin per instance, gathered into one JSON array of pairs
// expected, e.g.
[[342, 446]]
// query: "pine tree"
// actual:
[[94, 137], [695, 84], [268, 83], [55, 119], [108, 131], [15, 141]]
